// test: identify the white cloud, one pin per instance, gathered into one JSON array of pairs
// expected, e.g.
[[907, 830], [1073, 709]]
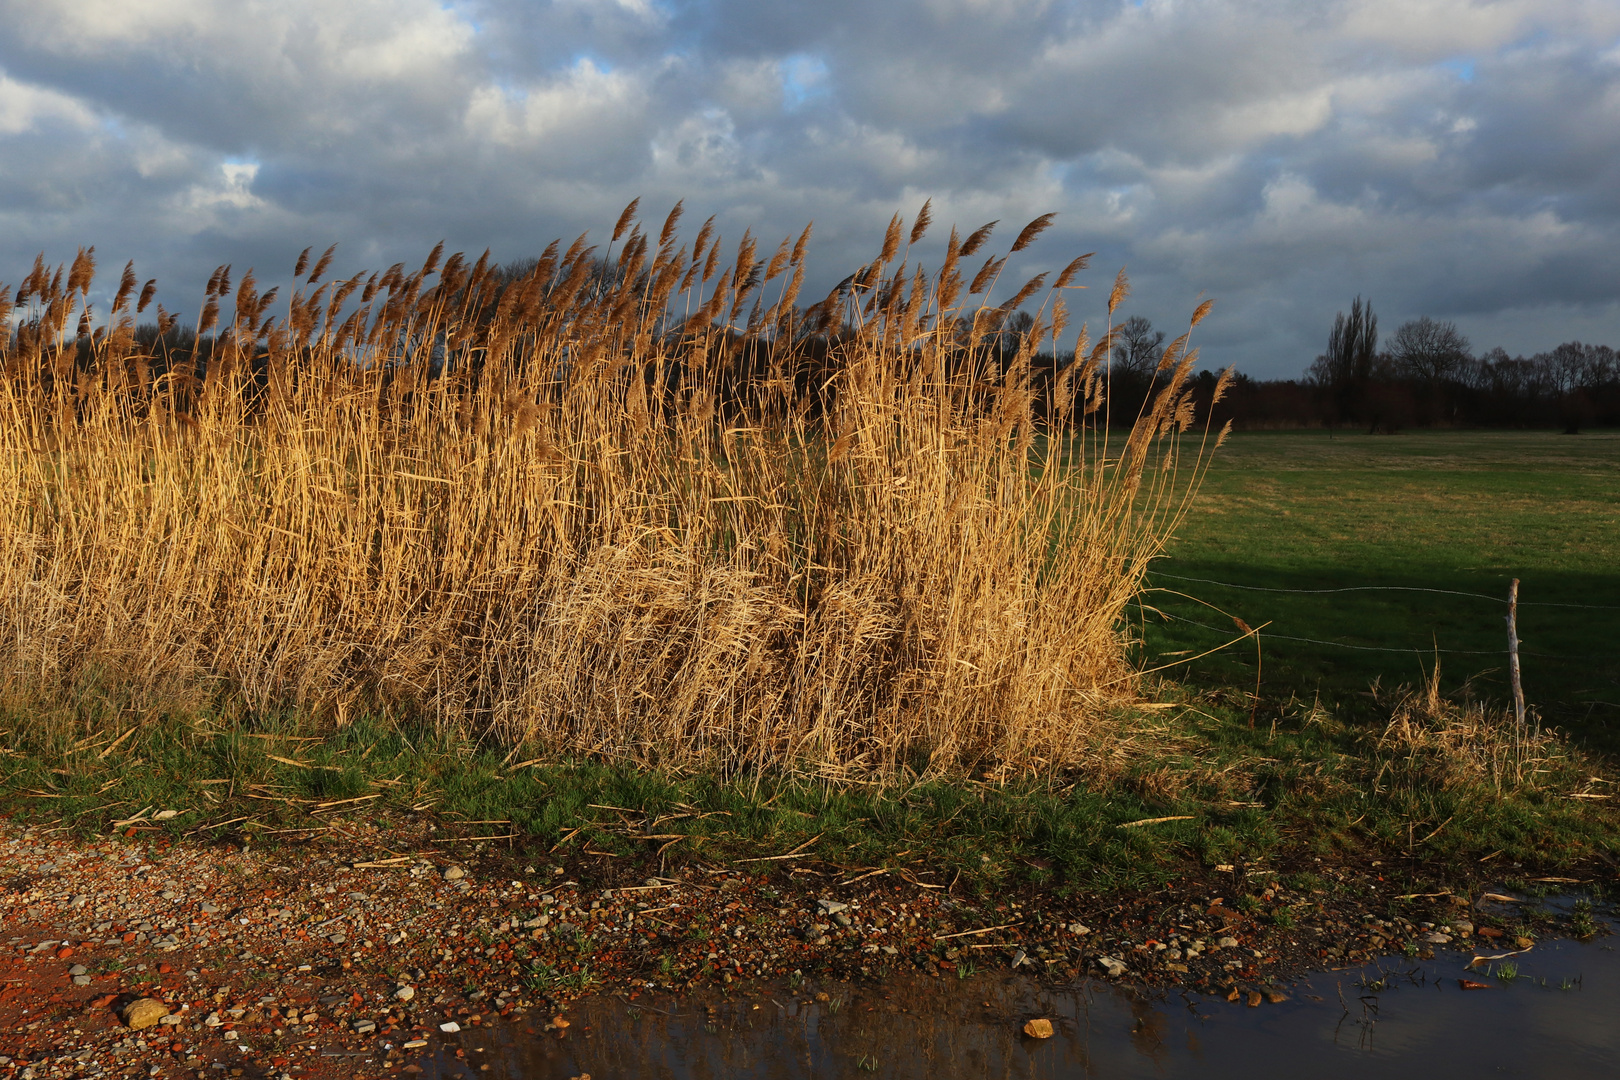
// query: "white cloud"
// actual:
[[231, 190], [24, 108], [579, 103]]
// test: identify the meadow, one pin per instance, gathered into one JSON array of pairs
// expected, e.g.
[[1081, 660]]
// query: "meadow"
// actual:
[[1423, 530]]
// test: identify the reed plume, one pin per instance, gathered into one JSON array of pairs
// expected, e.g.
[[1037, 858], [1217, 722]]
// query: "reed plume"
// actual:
[[574, 508]]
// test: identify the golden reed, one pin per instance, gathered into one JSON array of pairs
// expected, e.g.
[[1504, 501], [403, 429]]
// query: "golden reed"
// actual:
[[643, 505]]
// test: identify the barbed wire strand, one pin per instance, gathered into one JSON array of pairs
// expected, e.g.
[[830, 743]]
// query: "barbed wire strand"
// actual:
[[1382, 588], [1421, 650]]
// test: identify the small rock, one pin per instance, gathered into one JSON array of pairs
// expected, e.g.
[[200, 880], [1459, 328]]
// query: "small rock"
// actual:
[[1020, 957], [78, 969], [1115, 968], [365, 1027], [210, 908], [1078, 928], [405, 993], [831, 907], [1437, 938], [843, 920], [1039, 1028], [454, 873], [213, 1020], [416, 1044], [1255, 999], [144, 1012], [1462, 926], [450, 1027], [172, 1019], [1524, 942], [1275, 996], [1227, 942]]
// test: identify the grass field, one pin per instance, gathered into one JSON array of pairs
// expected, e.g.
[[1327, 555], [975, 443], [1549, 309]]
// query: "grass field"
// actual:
[[1439, 510]]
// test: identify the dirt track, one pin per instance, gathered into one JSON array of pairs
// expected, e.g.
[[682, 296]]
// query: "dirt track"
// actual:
[[344, 959]]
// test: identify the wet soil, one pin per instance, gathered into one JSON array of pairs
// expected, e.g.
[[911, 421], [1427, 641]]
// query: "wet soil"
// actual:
[[380, 948]]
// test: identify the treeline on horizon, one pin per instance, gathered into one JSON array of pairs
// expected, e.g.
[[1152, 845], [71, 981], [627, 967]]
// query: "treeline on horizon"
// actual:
[[1425, 375]]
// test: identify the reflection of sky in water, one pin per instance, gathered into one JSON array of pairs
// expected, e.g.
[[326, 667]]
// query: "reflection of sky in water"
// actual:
[[944, 1029]]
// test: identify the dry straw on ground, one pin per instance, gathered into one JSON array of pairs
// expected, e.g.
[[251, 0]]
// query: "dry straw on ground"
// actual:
[[646, 506], [1446, 743]]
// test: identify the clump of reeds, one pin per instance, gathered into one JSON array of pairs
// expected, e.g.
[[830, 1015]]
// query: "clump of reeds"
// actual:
[[645, 505]]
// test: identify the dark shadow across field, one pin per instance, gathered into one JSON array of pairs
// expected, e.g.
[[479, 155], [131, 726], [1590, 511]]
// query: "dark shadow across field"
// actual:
[[1459, 511]]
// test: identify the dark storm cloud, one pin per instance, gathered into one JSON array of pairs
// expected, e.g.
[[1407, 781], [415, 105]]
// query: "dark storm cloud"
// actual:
[[1447, 158]]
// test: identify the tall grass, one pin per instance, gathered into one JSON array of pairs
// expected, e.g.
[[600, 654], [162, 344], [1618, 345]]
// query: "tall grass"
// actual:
[[645, 506]]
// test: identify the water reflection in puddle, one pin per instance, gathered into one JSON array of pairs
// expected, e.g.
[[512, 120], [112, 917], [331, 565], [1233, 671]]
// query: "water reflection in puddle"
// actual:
[[1417, 1022]]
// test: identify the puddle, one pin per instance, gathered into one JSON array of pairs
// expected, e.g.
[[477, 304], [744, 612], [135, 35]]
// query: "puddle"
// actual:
[[1400, 1018]]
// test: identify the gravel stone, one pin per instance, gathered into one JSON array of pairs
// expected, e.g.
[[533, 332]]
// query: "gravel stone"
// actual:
[[144, 1012]]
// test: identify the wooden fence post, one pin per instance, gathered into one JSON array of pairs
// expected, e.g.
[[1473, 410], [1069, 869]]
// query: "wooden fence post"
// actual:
[[1513, 654]]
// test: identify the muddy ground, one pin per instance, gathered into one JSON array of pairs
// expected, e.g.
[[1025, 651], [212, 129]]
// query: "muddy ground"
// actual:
[[347, 957]]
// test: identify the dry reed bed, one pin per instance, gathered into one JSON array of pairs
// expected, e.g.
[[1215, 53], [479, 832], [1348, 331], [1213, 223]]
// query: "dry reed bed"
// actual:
[[646, 505]]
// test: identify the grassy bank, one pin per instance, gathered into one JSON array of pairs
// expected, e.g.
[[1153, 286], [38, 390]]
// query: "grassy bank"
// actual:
[[1194, 785]]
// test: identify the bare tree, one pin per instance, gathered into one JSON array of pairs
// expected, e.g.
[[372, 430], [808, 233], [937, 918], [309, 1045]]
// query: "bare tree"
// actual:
[[1429, 349], [1347, 367], [1014, 330], [1137, 348]]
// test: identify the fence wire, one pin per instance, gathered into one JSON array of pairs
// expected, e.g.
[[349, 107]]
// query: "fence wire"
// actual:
[[1266, 635], [1381, 588]]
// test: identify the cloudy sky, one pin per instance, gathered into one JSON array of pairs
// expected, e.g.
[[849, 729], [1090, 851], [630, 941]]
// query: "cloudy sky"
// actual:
[[1442, 157]]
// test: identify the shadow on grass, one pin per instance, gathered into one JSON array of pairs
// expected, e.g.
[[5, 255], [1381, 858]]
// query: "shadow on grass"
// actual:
[[1571, 670]]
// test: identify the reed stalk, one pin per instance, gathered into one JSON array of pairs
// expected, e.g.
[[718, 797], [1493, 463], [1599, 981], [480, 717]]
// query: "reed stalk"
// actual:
[[644, 505]]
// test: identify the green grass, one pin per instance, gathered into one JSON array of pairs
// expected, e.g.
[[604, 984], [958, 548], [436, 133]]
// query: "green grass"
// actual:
[[1311, 785], [1456, 511], [1463, 511]]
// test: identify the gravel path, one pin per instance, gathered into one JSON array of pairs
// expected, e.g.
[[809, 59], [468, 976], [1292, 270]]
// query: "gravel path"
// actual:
[[129, 957]]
